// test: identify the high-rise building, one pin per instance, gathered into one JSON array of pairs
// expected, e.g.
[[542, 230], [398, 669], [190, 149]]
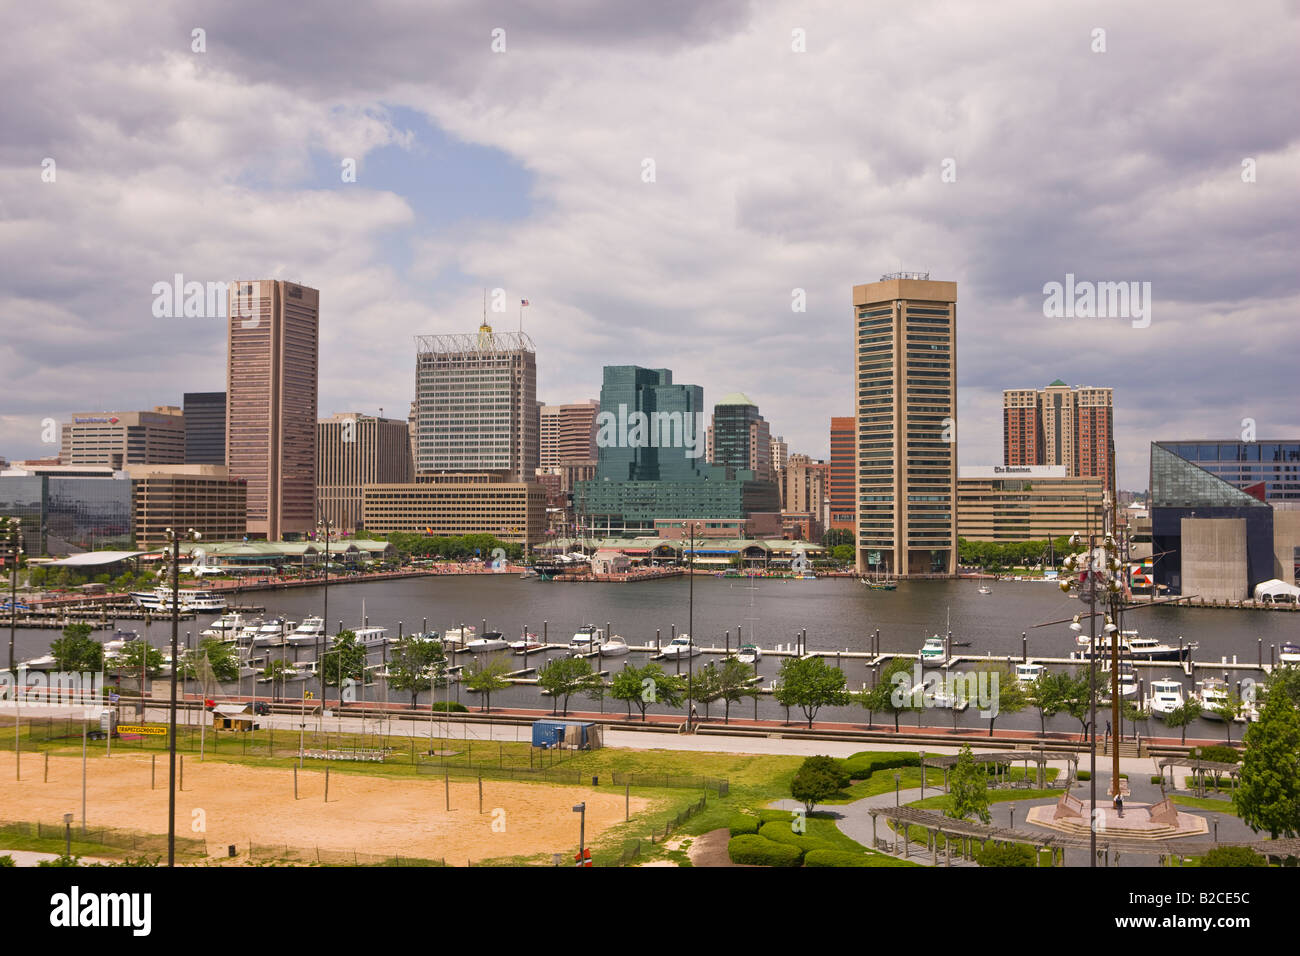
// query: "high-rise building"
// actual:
[[205, 428], [356, 450], [272, 370], [568, 433], [202, 497], [740, 437], [118, 439], [905, 329], [780, 453], [1060, 425], [476, 404], [805, 485], [841, 478]]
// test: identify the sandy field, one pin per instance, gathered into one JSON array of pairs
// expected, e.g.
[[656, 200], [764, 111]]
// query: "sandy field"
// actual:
[[368, 814]]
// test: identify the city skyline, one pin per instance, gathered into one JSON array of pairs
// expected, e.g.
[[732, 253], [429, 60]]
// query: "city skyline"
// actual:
[[515, 170]]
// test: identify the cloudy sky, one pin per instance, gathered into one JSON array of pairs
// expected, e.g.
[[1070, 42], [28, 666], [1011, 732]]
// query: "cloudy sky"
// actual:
[[794, 145]]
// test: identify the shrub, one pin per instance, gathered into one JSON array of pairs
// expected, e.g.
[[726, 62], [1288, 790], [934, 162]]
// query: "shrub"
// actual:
[[1233, 856], [815, 782], [743, 823], [1010, 854], [835, 858], [451, 706], [862, 765], [1157, 778], [830, 766], [780, 832], [7, 861], [757, 851], [1083, 775], [1219, 753]]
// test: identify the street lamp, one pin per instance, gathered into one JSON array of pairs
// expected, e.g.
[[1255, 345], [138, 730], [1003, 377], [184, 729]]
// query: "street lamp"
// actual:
[[174, 539], [13, 555], [690, 635], [326, 527], [898, 778]]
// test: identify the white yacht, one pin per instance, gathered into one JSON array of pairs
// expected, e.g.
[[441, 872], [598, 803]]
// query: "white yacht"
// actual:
[[1213, 693], [681, 646], [1166, 697], [272, 632], [749, 654], [46, 662], [933, 652], [490, 641], [369, 637], [226, 628], [1134, 646], [1029, 672], [1289, 653], [308, 633], [985, 589], [615, 646], [198, 600], [587, 640], [459, 635], [528, 642]]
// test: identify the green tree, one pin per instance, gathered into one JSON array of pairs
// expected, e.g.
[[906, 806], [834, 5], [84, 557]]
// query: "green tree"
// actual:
[[76, 650], [838, 538], [843, 553], [1183, 715], [1009, 696], [562, 677], [1233, 856], [1228, 710], [734, 684], [1076, 697], [1285, 679], [1268, 797], [647, 685], [817, 779], [487, 677], [968, 788], [810, 685], [893, 693], [138, 654], [417, 665], [704, 686], [1048, 694], [345, 660]]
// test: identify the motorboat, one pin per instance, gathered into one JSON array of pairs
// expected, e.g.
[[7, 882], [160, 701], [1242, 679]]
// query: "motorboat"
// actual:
[[681, 646], [944, 698], [288, 675], [117, 643], [749, 654], [1214, 695], [308, 633], [527, 643], [1028, 673], [587, 640], [614, 646], [985, 589], [369, 637], [1289, 653], [459, 635], [272, 632], [934, 652], [1166, 697], [1136, 647], [1127, 679], [490, 641], [46, 662], [226, 628]]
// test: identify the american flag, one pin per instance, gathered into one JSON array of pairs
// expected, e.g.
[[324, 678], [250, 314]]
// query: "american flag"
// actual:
[[522, 303]]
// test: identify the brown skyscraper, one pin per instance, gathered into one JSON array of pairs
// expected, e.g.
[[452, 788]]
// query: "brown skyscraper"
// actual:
[[906, 335], [842, 480], [271, 378], [1060, 425]]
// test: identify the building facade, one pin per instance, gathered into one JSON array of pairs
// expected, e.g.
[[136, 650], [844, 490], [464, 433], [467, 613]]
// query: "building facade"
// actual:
[[202, 497], [740, 438], [1061, 425], [906, 443], [118, 439], [1011, 503], [454, 505], [841, 476], [476, 403], [568, 433], [1269, 470], [205, 428], [355, 450], [272, 369], [69, 509]]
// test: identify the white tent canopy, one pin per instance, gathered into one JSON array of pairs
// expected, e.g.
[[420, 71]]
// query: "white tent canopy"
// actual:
[[1276, 591], [94, 559]]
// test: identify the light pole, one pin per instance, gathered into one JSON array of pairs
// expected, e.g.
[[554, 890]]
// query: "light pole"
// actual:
[[324, 526], [174, 539], [690, 632], [13, 555], [581, 810]]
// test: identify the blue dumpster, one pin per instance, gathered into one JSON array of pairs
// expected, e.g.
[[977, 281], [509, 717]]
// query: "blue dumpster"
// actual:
[[550, 733]]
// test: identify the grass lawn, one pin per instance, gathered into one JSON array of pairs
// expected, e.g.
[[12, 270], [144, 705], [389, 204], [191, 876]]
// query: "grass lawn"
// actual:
[[1200, 803]]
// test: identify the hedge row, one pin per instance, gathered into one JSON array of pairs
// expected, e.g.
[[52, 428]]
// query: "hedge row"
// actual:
[[758, 851], [742, 823], [835, 858], [781, 833], [863, 764]]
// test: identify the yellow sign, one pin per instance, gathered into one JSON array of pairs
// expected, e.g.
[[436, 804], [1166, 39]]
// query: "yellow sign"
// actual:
[[148, 730], [308, 696]]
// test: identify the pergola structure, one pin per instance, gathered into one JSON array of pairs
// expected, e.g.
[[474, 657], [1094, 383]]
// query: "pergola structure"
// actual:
[[967, 835], [1199, 768], [1004, 759]]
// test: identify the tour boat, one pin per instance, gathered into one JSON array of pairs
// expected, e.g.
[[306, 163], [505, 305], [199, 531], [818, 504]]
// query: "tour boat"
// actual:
[[490, 641], [1289, 653], [1213, 693], [934, 652], [308, 633], [749, 654], [189, 599], [1166, 697], [614, 646], [681, 646], [1029, 672]]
